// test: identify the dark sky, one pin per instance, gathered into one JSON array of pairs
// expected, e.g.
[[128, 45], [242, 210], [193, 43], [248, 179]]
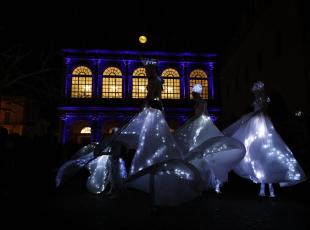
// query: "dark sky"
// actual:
[[200, 26], [36, 33]]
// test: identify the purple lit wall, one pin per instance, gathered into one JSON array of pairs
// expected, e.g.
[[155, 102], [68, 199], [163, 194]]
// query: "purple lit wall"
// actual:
[[97, 111], [211, 66]]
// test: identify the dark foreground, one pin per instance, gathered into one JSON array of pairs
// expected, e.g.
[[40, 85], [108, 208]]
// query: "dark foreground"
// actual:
[[238, 207]]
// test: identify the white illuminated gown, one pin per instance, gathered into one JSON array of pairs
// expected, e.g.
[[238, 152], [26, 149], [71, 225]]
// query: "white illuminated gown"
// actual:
[[75, 164], [100, 169], [208, 150], [267, 159], [158, 162], [104, 170]]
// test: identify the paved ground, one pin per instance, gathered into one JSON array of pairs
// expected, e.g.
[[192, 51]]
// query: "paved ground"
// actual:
[[238, 207]]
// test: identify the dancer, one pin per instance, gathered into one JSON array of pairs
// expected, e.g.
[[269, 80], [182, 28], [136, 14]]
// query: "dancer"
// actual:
[[205, 146], [157, 166], [149, 132], [199, 127], [268, 160]]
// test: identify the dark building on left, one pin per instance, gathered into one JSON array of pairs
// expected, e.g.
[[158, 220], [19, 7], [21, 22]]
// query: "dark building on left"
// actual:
[[21, 115]]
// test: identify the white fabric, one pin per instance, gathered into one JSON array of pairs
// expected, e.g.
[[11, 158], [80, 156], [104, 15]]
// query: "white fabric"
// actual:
[[194, 132], [100, 174], [208, 150], [267, 159], [169, 183], [150, 135], [77, 162], [158, 162]]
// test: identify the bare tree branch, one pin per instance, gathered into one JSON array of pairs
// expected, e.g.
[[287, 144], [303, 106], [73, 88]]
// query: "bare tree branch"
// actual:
[[23, 76], [14, 63]]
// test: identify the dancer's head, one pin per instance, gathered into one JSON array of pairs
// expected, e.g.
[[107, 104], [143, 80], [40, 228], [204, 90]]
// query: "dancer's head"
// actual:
[[151, 67], [258, 89], [258, 86], [151, 62], [196, 91]]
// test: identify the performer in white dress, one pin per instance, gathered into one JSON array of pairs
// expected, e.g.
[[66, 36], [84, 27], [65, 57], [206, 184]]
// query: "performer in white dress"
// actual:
[[157, 166], [268, 159], [205, 146]]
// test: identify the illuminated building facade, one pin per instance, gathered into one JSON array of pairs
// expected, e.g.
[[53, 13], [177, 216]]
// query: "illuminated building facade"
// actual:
[[104, 89], [20, 115], [12, 114]]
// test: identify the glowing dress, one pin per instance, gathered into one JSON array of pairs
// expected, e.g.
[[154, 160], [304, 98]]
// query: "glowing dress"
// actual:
[[207, 149], [267, 159], [157, 166], [104, 169], [75, 164]]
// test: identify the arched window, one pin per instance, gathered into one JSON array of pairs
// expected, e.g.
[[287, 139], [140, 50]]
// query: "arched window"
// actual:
[[81, 82], [86, 130], [112, 71], [139, 83], [199, 76], [82, 70], [112, 83], [171, 84]]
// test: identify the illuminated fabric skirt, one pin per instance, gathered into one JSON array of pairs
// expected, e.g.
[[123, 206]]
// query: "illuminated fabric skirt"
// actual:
[[75, 164], [149, 134], [215, 158], [206, 148], [169, 183], [158, 162], [268, 159], [195, 132], [103, 169]]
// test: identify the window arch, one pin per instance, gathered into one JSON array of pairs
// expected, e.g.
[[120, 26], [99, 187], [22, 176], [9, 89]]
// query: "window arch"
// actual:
[[171, 84], [81, 70], [199, 76], [141, 72], [170, 73], [81, 82], [86, 130], [198, 73], [112, 83], [112, 71], [139, 83]]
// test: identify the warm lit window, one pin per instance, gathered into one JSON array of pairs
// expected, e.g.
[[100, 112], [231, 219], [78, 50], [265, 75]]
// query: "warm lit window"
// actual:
[[112, 71], [86, 130], [199, 76], [81, 82], [112, 83], [139, 83], [82, 70], [139, 72], [171, 84]]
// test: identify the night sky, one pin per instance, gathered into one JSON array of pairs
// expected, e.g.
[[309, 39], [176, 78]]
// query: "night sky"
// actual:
[[39, 31], [199, 26]]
